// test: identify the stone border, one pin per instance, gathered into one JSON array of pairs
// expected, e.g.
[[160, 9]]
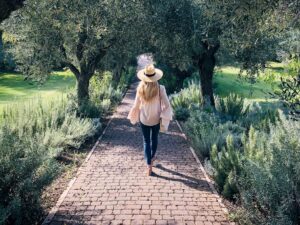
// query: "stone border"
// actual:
[[208, 180]]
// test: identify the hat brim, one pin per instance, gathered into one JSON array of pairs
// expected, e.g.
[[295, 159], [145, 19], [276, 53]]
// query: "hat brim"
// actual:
[[158, 75]]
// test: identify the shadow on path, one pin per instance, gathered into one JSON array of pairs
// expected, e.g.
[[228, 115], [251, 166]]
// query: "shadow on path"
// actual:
[[189, 181]]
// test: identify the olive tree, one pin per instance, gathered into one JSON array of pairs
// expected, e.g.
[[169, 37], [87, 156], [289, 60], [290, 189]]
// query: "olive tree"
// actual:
[[192, 32], [73, 33]]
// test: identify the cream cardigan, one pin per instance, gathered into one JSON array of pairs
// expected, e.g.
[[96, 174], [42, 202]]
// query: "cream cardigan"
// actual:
[[149, 113]]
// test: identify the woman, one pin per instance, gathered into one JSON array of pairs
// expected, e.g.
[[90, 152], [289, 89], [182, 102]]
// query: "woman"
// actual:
[[152, 109]]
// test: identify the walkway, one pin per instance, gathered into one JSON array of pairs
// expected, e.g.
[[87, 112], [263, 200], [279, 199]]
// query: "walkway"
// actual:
[[111, 187]]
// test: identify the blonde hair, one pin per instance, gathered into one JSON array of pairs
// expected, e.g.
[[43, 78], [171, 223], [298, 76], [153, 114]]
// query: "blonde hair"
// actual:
[[147, 90]]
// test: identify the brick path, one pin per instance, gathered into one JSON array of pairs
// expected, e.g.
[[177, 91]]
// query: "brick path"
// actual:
[[111, 187]]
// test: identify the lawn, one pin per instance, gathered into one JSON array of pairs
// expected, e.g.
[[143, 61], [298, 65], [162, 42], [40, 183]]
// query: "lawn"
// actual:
[[13, 87], [226, 81]]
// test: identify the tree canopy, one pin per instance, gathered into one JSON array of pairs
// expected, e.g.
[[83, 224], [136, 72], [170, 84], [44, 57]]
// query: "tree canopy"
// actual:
[[197, 33], [76, 34]]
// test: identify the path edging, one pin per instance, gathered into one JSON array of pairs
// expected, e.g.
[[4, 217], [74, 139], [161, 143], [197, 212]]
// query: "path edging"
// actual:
[[208, 180]]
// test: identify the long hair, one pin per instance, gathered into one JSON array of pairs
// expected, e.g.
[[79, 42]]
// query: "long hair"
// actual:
[[148, 90]]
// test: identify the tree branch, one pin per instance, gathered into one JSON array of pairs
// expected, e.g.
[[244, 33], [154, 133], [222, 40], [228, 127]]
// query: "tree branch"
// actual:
[[74, 70], [69, 64]]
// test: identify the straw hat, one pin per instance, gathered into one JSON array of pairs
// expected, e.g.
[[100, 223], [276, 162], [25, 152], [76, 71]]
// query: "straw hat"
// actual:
[[150, 74]]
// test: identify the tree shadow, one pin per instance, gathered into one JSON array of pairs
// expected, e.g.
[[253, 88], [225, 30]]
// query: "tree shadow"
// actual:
[[189, 181]]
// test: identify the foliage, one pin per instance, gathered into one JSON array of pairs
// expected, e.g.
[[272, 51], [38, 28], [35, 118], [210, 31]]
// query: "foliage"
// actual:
[[6, 60], [260, 116], [126, 79], [182, 114], [32, 134], [186, 97], [289, 91], [50, 118], [269, 185], [227, 166], [194, 78], [169, 80], [26, 167], [205, 130], [232, 107]]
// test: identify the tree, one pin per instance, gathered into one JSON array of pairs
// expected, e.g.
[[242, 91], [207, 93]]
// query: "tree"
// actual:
[[194, 31], [76, 34]]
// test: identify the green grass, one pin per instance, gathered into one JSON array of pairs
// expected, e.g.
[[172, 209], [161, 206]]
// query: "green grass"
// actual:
[[13, 88], [226, 81]]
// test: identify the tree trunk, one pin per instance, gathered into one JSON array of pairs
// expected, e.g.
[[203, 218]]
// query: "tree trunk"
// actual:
[[206, 69], [83, 89], [206, 65]]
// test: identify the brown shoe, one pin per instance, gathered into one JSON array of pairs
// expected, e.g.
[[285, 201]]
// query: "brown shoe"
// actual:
[[149, 170]]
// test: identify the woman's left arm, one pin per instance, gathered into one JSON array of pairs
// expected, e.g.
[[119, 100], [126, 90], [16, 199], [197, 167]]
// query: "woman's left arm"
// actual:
[[134, 113]]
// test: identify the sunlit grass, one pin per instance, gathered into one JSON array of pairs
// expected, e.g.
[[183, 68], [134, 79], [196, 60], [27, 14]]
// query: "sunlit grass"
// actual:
[[226, 81], [14, 88]]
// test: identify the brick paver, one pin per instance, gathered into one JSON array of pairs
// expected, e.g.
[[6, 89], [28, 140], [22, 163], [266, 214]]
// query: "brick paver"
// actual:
[[112, 187]]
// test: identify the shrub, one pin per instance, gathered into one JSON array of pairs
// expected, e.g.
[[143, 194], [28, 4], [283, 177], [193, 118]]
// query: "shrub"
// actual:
[[270, 182], [194, 78], [126, 79], [205, 129], [260, 117], [89, 109], [227, 166], [72, 133], [289, 87], [101, 88], [232, 107], [26, 167], [181, 114], [186, 97], [32, 133]]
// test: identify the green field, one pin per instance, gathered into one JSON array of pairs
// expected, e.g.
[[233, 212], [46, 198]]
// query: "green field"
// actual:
[[13, 87], [226, 81]]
